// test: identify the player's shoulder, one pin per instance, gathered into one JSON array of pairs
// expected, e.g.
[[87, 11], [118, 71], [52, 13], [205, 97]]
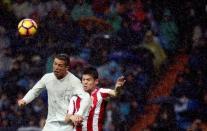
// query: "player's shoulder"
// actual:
[[73, 78], [48, 76]]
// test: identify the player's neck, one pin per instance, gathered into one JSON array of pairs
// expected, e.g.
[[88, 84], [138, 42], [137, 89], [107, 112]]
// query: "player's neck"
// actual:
[[62, 77], [93, 90]]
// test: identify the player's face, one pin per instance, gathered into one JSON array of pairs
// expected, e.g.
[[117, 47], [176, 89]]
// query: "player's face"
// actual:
[[89, 83], [59, 68]]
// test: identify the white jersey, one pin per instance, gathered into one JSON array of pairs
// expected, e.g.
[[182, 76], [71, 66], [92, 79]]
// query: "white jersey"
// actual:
[[93, 120], [59, 94]]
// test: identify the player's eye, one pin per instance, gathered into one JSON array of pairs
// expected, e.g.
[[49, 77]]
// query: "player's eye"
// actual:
[[61, 65]]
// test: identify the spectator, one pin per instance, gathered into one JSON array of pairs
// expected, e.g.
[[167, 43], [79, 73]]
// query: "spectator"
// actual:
[[168, 33], [159, 54], [81, 10]]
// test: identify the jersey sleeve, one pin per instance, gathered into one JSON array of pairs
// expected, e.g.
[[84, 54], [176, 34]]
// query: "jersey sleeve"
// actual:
[[74, 105], [35, 91], [105, 93], [84, 96], [71, 107]]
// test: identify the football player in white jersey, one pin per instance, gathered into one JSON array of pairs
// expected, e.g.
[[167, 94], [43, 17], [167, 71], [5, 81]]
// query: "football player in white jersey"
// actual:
[[61, 85]]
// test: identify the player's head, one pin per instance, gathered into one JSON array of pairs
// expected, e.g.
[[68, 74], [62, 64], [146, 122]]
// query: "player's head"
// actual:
[[61, 65], [90, 79]]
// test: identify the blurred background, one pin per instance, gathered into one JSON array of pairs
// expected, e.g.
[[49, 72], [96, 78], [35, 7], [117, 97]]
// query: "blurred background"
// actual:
[[158, 45]]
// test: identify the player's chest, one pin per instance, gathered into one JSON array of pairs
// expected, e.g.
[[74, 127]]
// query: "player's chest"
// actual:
[[59, 87], [96, 100]]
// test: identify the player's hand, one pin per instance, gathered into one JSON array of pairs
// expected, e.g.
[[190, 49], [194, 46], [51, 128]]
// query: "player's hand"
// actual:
[[120, 81], [21, 103], [67, 118], [75, 119]]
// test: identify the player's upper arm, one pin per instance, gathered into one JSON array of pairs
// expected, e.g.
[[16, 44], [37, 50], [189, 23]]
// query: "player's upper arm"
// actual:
[[36, 90], [107, 92]]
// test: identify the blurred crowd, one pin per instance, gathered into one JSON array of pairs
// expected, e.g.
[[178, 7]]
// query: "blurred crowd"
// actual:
[[185, 108], [134, 38]]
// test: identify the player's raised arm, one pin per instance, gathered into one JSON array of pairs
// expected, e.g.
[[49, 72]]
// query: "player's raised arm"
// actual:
[[32, 93], [118, 87]]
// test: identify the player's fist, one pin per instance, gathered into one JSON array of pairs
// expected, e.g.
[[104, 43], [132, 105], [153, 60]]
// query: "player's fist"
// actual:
[[21, 103]]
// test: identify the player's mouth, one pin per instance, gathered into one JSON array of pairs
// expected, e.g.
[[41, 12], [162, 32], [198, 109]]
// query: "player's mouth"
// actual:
[[57, 73]]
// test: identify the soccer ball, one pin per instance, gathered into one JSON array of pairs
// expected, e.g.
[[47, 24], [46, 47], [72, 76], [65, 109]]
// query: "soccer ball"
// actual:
[[27, 27]]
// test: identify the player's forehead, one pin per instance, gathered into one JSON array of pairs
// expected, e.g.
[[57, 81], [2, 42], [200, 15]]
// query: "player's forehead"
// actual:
[[87, 76], [59, 61]]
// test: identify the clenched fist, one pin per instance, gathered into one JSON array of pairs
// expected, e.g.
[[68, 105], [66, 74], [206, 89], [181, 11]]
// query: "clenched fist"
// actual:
[[21, 103]]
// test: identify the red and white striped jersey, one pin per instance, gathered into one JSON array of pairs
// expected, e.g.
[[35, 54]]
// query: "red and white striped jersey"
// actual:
[[74, 105], [95, 119]]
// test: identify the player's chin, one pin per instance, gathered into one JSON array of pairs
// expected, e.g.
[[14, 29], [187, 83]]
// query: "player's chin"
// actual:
[[57, 74], [85, 88]]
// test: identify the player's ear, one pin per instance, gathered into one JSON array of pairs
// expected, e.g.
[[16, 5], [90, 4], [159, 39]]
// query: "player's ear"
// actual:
[[68, 67], [96, 81]]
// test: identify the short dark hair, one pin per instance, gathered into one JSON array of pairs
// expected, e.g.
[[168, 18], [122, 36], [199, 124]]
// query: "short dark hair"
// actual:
[[91, 71], [64, 57]]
